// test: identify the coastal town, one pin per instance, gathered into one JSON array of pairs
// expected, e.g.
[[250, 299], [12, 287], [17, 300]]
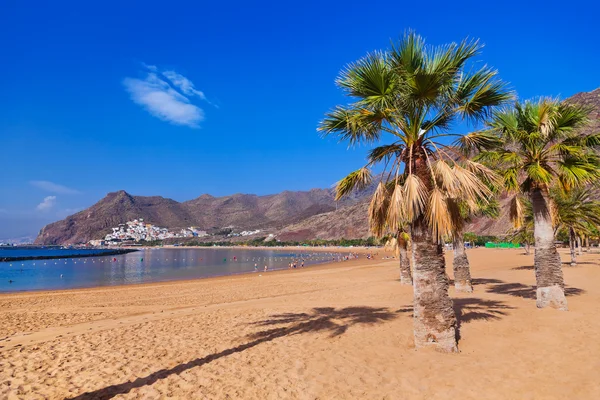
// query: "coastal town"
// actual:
[[139, 230]]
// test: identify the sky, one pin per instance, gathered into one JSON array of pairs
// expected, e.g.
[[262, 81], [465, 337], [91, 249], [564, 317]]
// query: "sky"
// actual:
[[183, 98]]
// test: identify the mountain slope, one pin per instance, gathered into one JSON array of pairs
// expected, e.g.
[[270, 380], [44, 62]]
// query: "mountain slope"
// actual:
[[244, 211]]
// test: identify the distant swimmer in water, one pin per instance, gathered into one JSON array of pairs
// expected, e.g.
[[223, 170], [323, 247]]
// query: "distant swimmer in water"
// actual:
[[10, 281]]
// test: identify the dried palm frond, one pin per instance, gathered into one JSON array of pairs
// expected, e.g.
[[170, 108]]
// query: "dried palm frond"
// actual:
[[516, 211], [469, 187], [378, 210], [415, 196], [445, 177], [438, 214], [396, 212], [483, 172], [456, 214]]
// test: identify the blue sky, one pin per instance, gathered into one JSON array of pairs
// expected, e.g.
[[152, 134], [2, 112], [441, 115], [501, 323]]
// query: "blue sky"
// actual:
[[183, 98]]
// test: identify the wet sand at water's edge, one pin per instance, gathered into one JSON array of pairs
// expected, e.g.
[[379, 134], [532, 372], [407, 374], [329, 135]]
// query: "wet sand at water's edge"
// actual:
[[329, 332]]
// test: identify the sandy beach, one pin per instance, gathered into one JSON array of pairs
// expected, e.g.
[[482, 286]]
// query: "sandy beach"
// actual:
[[340, 331]]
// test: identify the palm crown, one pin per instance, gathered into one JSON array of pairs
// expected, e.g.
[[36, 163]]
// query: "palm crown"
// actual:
[[414, 94], [577, 210], [538, 147]]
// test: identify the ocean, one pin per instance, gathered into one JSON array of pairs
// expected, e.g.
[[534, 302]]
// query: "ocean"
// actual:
[[148, 265]]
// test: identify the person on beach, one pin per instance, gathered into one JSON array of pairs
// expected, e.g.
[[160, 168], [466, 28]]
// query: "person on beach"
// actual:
[[266, 268], [255, 267]]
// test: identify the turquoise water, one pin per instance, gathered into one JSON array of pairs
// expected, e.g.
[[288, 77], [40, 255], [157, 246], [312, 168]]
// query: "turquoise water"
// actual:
[[149, 265]]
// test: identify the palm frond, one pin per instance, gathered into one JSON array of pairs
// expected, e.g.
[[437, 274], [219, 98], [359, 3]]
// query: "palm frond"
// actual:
[[396, 214], [415, 196], [378, 210], [353, 125], [477, 141], [356, 180], [385, 152], [438, 215], [516, 211]]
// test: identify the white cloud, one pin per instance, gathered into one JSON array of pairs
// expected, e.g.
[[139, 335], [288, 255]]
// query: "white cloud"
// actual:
[[54, 187], [184, 84], [161, 99], [47, 203]]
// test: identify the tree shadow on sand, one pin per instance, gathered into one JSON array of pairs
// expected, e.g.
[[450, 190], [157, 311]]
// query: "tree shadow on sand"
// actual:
[[523, 268], [526, 291], [325, 319], [564, 264], [478, 281], [476, 309]]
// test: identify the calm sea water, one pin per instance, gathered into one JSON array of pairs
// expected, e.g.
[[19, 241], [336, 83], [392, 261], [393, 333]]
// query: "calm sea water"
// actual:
[[46, 251], [151, 265]]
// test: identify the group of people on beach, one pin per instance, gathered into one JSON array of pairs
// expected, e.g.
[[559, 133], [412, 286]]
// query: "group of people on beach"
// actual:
[[294, 264]]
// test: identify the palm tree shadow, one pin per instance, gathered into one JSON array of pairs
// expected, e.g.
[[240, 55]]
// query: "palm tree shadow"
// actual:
[[526, 291], [568, 263], [324, 319], [476, 309], [523, 267]]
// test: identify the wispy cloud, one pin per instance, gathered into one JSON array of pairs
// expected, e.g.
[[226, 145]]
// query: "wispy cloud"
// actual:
[[47, 203], [184, 84], [54, 187], [167, 95]]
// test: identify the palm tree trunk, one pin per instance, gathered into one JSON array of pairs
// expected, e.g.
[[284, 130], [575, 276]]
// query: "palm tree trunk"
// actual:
[[460, 264], [579, 245], [548, 271], [527, 248], [587, 243], [405, 274], [572, 246], [434, 317]]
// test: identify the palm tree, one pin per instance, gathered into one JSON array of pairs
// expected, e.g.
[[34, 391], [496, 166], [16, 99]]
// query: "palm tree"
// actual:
[[460, 261], [537, 148], [577, 212], [403, 240], [414, 94], [400, 244]]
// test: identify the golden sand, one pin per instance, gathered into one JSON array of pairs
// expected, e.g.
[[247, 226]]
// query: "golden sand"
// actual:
[[332, 332]]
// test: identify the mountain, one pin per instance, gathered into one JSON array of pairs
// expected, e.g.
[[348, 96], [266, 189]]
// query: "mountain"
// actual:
[[348, 222], [244, 211]]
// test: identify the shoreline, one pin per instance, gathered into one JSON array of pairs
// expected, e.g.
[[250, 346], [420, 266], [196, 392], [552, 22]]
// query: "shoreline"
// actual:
[[271, 272]]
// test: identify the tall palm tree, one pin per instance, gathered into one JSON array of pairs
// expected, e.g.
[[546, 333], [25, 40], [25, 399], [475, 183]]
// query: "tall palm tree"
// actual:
[[577, 212], [537, 148], [460, 261], [413, 94]]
